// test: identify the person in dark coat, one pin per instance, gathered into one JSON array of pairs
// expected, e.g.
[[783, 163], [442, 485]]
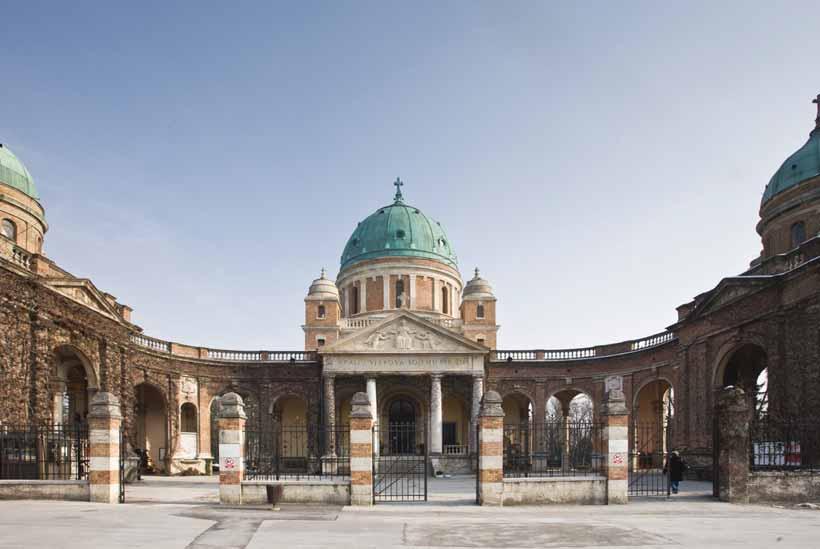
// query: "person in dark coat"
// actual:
[[676, 467]]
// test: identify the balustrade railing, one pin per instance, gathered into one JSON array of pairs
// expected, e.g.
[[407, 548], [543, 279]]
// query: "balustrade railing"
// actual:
[[151, 343], [222, 354], [582, 353], [227, 355], [513, 355], [21, 257], [449, 323], [652, 341], [570, 354], [357, 323], [455, 450]]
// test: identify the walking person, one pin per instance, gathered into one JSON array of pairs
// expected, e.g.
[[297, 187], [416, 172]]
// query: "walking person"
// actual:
[[675, 466]]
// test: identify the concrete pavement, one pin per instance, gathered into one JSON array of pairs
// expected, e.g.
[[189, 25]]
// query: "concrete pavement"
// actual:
[[180, 513]]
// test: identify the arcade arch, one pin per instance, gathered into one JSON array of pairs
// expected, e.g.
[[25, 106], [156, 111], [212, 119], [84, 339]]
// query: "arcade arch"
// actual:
[[747, 367], [152, 427], [76, 383]]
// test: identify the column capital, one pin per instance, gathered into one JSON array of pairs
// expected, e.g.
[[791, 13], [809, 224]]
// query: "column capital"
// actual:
[[328, 375], [436, 376]]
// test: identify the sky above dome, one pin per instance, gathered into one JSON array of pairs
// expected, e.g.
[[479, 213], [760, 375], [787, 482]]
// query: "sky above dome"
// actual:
[[601, 163]]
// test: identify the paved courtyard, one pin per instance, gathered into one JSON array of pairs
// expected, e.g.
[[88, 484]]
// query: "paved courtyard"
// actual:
[[182, 513]]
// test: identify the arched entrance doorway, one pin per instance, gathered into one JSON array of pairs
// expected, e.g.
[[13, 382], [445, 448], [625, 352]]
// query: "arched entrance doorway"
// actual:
[[650, 439], [152, 428], [652, 413], [401, 421]]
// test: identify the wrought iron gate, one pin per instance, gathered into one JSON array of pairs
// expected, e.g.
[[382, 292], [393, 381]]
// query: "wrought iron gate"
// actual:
[[400, 457], [648, 458]]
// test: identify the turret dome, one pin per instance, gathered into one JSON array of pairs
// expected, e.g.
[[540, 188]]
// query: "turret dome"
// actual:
[[323, 289], [398, 230], [15, 174], [478, 288]]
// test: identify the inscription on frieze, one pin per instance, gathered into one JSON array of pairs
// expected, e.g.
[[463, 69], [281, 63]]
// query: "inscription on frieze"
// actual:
[[417, 363]]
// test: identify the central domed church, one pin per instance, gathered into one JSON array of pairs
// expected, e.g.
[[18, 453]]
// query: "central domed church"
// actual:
[[400, 318]]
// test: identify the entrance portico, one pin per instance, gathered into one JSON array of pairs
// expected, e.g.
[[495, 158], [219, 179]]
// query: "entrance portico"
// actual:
[[409, 359]]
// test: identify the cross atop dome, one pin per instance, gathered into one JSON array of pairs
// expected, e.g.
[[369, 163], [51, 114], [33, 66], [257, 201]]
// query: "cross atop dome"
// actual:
[[399, 184], [816, 101]]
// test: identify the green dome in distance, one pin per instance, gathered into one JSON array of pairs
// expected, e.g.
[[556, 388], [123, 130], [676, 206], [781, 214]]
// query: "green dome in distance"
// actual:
[[15, 174], [398, 230], [800, 166]]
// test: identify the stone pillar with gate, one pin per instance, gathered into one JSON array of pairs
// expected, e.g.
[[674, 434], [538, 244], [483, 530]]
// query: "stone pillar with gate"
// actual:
[[616, 435], [104, 422], [491, 449], [361, 450], [733, 435], [231, 425]]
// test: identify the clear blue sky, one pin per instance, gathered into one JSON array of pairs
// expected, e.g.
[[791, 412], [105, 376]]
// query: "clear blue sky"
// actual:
[[602, 162]]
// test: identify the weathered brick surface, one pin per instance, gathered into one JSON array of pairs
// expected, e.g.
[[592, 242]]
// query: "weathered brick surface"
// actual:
[[490, 475], [361, 477], [375, 293]]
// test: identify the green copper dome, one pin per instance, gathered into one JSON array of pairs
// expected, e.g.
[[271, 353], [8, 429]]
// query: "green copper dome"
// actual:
[[15, 174], [802, 165], [398, 230]]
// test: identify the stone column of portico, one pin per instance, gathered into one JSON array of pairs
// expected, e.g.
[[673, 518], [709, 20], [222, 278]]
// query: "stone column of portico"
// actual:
[[374, 410], [436, 414], [231, 424], [104, 421], [386, 290], [330, 414], [363, 295], [616, 429], [412, 292], [361, 451], [491, 447], [475, 409]]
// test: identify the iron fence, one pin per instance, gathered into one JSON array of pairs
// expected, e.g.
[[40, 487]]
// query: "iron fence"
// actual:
[[777, 445], [554, 449], [297, 452], [44, 452]]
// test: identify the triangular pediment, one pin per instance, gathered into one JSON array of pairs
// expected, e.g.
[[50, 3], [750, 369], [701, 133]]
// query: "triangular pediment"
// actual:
[[84, 292], [405, 332], [728, 291]]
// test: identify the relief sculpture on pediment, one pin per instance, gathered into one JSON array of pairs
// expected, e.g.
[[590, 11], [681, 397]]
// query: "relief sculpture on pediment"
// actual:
[[402, 337]]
